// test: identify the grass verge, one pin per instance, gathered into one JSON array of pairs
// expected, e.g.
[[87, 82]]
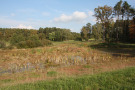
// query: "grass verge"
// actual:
[[121, 79]]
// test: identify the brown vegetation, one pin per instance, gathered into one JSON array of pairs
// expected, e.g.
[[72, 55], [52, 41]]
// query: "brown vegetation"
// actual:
[[67, 59]]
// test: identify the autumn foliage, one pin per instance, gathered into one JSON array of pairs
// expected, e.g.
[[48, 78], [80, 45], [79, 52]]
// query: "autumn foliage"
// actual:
[[132, 30]]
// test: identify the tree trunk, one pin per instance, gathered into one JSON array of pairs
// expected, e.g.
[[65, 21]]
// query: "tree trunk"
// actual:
[[104, 37]]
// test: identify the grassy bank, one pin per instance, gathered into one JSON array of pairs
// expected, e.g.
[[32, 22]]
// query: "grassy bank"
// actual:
[[121, 79]]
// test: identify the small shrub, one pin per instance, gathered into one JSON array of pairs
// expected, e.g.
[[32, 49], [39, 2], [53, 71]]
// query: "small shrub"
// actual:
[[37, 43], [46, 42], [22, 44], [32, 44], [29, 44]]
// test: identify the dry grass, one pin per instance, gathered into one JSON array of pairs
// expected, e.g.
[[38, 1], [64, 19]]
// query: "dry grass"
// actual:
[[67, 59]]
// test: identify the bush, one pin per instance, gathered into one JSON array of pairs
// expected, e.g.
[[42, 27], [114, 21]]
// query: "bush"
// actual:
[[29, 44], [22, 44], [33, 41], [33, 38], [16, 39], [46, 42], [2, 44], [32, 44]]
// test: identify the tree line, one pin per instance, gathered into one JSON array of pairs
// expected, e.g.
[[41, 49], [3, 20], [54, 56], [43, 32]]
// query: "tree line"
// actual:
[[25, 38], [106, 29]]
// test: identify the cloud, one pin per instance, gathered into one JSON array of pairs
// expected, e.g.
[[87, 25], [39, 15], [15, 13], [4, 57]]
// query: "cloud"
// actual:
[[74, 21], [90, 13], [79, 15], [12, 23], [63, 18], [92, 19], [45, 14], [21, 26], [75, 16], [12, 14]]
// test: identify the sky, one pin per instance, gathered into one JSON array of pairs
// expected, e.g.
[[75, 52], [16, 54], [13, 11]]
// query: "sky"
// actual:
[[33, 14]]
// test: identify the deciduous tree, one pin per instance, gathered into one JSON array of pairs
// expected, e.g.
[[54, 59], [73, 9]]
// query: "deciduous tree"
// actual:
[[103, 15]]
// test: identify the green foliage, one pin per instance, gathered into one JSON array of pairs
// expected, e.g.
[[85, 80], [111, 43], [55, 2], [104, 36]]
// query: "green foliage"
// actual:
[[16, 39], [119, 46], [6, 80], [46, 42], [21, 40], [117, 9], [24, 38], [22, 44], [116, 80], [41, 36], [33, 41], [57, 34], [34, 75], [52, 36], [103, 15], [51, 73], [97, 31], [29, 44], [86, 31], [114, 31], [32, 44], [33, 38], [76, 36], [87, 66]]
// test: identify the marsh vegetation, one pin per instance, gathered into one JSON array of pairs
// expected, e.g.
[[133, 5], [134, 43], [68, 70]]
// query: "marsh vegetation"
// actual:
[[61, 60]]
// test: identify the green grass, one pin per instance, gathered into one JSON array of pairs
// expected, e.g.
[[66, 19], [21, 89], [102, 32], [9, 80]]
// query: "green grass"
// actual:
[[51, 73], [116, 80], [6, 81], [34, 75], [87, 66], [112, 45]]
